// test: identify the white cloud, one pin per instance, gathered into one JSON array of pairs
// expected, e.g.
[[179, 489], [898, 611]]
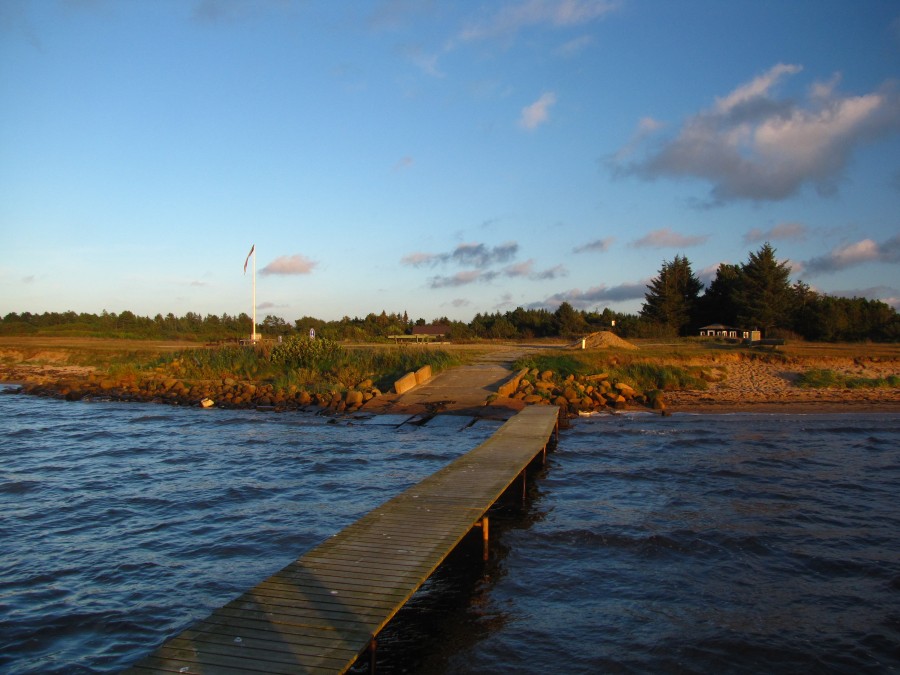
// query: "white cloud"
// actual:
[[856, 253], [752, 145], [756, 88], [538, 112], [288, 265], [666, 238]]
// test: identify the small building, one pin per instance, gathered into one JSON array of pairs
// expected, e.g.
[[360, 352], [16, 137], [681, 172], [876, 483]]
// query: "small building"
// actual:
[[434, 330], [721, 330], [425, 333]]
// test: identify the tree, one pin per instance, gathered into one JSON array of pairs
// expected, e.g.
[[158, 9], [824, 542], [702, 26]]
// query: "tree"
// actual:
[[765, 295], [571, 323], [717, 305], [671, 298]]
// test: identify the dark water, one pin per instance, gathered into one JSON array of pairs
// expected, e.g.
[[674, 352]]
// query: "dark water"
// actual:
[[688, 544]]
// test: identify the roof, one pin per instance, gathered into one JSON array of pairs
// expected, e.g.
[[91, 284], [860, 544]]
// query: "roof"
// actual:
[[431, 329]]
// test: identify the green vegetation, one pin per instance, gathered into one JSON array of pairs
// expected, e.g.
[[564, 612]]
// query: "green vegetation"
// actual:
[[641, 375], [758, 294], [314, 365], [823, 378]]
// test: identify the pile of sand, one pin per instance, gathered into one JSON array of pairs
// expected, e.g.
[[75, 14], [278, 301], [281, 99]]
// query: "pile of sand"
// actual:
[[603, 340]]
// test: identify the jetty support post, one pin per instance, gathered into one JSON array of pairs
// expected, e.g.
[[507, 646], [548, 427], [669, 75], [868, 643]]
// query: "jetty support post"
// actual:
[[484, 524], [373, 646]]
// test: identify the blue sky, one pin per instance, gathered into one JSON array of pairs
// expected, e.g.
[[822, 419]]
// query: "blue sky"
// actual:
[[440, 158]]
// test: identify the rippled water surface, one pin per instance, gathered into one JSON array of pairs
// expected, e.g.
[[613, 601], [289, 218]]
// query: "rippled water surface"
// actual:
[[122, 523], [703, 544], [707, 544]]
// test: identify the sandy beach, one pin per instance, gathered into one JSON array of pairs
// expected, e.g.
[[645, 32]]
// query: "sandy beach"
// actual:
[[757, 386]]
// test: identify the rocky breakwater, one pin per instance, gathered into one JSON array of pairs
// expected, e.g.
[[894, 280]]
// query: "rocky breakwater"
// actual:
[[224, 393], [578, 394]]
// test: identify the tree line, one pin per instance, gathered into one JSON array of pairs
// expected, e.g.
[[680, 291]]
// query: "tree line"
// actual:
[[756, 294]]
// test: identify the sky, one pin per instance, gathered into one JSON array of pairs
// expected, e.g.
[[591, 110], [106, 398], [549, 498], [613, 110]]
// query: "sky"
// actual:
[[442, 158]]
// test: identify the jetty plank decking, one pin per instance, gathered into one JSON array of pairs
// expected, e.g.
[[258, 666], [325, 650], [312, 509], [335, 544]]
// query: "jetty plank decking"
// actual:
[[323, 611]]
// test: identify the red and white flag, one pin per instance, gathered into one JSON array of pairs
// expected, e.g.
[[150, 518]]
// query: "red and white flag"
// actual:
[[252, 248]]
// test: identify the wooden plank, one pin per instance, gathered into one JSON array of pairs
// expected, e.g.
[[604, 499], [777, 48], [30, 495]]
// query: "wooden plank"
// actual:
[[319, 613]]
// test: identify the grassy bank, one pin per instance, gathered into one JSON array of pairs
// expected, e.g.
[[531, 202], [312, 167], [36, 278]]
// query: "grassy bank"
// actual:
[[319, 365], [825, 378], [639, 374]]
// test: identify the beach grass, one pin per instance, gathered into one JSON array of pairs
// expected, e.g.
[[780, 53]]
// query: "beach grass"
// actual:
[[639, 373], [824, 378]]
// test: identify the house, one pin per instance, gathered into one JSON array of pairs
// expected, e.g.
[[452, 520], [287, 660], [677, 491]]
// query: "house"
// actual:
[[425, 333], [435, 330], [721, 330]]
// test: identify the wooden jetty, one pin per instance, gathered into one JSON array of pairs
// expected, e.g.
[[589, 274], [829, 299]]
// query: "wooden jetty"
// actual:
[[325, 610]]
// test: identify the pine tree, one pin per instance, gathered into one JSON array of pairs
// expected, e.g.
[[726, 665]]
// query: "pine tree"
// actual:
[[671, 299], [765, 296], [717, 305]]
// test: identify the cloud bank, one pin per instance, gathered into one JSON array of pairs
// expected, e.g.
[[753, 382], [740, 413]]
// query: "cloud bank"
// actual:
[[480, 259], [753, 145], [856, 253], [598, 294]]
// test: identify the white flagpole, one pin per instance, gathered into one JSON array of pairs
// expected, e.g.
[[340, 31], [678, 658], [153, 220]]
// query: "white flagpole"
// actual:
[[253, 336]]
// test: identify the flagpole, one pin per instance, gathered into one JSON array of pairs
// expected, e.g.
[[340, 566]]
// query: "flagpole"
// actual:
[[253, 334]]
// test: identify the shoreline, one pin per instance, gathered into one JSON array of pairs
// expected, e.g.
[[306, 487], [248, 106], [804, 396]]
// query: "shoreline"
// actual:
[[688, 402], [736, 382]]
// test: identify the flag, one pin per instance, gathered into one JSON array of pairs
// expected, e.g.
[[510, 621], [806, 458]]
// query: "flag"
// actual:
[[248, 257]]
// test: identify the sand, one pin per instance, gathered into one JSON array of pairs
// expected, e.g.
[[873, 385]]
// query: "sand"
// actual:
[[769, 387]]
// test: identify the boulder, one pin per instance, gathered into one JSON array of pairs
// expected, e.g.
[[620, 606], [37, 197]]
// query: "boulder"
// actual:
[[353, 398], [625, 390]]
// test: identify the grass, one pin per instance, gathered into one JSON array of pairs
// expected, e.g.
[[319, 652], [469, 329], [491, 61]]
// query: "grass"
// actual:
[[332, 369], [824, 378], [636, 372]]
